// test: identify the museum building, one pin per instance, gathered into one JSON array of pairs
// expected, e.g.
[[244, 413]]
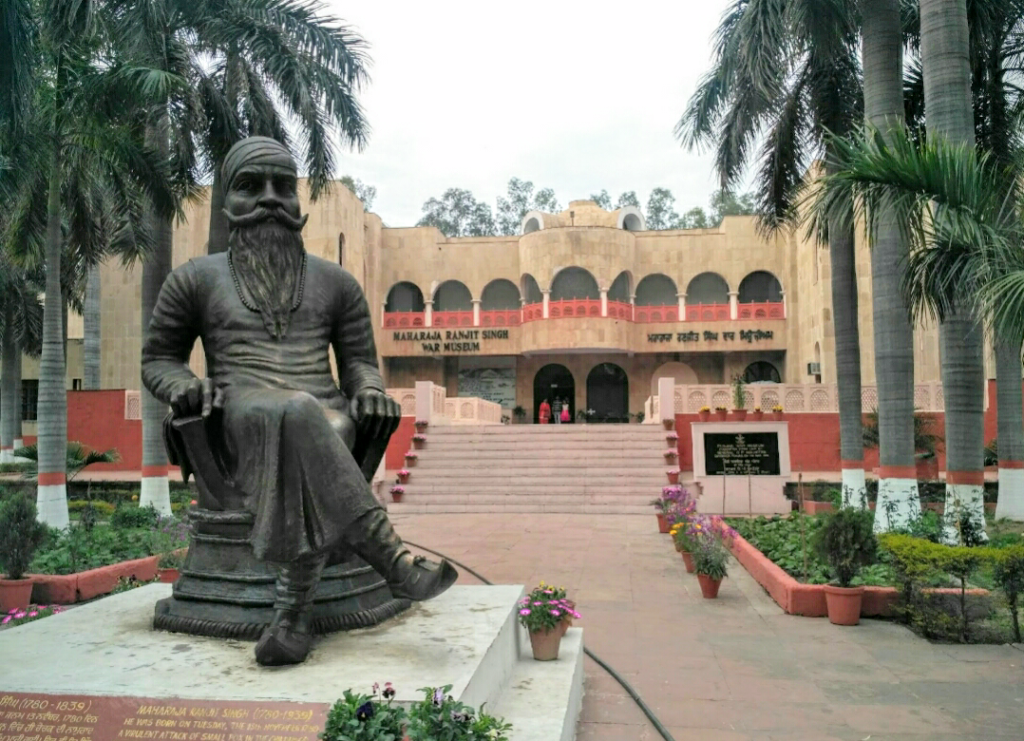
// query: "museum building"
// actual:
[[585, 306]]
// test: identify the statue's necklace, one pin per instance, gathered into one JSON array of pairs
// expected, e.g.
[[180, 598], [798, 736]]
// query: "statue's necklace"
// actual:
[[241, 294]]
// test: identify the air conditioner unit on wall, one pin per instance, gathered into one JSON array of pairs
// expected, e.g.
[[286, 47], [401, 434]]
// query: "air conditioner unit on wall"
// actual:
[[814, 369]]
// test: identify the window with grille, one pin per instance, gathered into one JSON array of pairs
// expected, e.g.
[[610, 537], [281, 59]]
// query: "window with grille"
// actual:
[[29, 400]]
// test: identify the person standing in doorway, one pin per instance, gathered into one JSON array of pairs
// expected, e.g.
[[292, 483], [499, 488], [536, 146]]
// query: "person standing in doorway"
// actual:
[[544, 414], [557, 408], [565, 412]]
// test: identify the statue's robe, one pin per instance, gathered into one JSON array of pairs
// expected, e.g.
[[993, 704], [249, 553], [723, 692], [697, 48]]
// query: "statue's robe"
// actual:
[[277, 440]]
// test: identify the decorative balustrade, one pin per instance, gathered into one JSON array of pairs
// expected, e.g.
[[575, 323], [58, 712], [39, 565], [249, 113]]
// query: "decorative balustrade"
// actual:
[[472, 410], [400, 319], [767, 310], [655, 314], [429, 402], [620, 310], [533, 312], [579, 307], [501, 318], [452, 319], [708, 313], [795, 397]]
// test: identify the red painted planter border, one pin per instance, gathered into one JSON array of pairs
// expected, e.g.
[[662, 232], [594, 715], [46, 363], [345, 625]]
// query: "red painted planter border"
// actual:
[[809, 599], [48, 589]]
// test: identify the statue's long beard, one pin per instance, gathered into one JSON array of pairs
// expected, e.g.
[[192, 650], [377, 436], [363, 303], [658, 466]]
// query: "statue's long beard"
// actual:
[[268, 259]]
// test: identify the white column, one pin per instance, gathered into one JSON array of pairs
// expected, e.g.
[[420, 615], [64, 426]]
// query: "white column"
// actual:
[[604, 302], [424, 401], [632, 308], [428, 313], [476, 312], [667, 398], [682, 306], [734, 305], [784, 311], [383, 311], [546, 292]]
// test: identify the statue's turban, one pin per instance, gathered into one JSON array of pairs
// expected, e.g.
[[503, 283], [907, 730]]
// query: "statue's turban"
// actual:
[[256, 150]]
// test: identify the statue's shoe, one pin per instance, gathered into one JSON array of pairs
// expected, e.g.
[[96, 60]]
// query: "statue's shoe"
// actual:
[[420, 579], [281, 645]]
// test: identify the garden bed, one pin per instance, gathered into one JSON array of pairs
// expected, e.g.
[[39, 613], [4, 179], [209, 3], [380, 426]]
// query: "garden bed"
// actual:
[[66, 589]]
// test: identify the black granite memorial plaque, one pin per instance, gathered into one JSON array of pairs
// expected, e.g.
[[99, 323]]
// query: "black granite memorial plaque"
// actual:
[[742, 454]]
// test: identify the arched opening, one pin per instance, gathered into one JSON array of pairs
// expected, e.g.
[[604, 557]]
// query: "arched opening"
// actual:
[[761, 371], [657, 290], [621, 288], [707, 288], [608, 393], [341, 249], [532, 225], [404, 306], [681, 373], [574, 283], [452, 295], [530, 289], [760, 287], [632, 223], [554, 383], [499, 294]]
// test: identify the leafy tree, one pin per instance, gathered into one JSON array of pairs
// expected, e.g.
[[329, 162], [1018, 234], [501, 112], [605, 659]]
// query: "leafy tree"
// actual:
[[661, 213], [627, 198], [458, 214], [726, 203], [695, 218], [365, 193], [520, 200]]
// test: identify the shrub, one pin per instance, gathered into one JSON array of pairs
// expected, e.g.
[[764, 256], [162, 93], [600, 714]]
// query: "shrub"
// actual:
[[711, 558], [358, 717], [438, 716], [545, 608], [846, 541], [20, 535], [1009, 574], [127, 516], [105, 509]]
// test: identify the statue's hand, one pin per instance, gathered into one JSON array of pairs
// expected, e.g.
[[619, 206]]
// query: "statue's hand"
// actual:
[[198, 398], [375, 413]]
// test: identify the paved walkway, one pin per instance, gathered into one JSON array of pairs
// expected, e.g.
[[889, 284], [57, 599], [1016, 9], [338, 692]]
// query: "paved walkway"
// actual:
[[735, 668]]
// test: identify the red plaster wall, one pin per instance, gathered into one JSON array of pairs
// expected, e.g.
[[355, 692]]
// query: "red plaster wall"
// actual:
[[401, 443], [96, 419]]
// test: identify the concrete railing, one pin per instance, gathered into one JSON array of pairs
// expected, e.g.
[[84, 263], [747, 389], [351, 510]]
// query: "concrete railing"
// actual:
[[430, 403]]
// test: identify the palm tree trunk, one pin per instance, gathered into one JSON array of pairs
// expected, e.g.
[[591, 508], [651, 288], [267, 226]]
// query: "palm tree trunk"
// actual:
[[844, 314], [218, 235], [19, 439], [898, 500], [51, 500], [1009, 404], [9, 405], [945, 57], [92, 329], [155, 488]]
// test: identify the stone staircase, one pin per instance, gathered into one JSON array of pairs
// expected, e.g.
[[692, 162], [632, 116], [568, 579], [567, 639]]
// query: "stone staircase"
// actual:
[[592, 469]]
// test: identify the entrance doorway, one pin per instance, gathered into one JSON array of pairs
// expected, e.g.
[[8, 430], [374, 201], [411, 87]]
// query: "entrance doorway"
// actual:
[[608, 393], [552, 382]]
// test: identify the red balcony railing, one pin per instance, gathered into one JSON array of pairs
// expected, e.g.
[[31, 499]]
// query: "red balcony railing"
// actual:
[[708, 313], [620, 310], [501, 317], [582, 307], [399, 319], [452, 319], [533, 312], [656, 314], [767, 310]]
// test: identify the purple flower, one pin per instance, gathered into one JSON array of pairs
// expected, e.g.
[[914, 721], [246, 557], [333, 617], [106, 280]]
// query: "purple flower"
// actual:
[[438, 698], [19, 615], [537, 604], [376, 688], [556, 613], [6, 620], [33, 613], [389, 691], [524, 611], [461, 717], [364, 711]]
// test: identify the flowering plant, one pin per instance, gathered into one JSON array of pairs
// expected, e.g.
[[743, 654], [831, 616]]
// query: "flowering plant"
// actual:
[[705, 409], [34, 612], [398, 489], [359, 717], [673, 472], [672, 436], [439, 716], [691, 533], [721, 409], [757, 409], [676, 503], [671, 453], [172, 560], [419, 438], [711, 559], [412, 455], [545, 607], [404, 472], [777, 408]]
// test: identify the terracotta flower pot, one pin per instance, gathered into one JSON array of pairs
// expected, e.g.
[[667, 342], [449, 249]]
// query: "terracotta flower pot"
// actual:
[[708, 586], [168, 576], [671, 456], [565, 625], [396, 497], [403, 477], [662, 522], [740, 414], [410, 462], [673, 478], [721, 415], [420, 426], [777, 416], [546, 643], [15, 594], [704, 416], [668, 423], [843, 604], [756, 416], [688, 560], [419, 444]]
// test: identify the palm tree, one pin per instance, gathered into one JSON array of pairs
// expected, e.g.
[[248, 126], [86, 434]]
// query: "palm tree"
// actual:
[[789, 71], [262, 51], [898, 499], [79, 158], [20, 324], [92, 355]]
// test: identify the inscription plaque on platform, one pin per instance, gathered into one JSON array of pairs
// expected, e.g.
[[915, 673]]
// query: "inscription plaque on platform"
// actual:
[[742, 454], [39, 717]]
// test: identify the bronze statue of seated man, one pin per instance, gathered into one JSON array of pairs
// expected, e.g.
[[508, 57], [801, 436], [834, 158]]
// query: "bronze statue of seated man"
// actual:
[[268, 314]]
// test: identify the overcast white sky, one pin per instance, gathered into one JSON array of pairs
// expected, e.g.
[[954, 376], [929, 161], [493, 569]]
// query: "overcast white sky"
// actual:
[[576, 96]]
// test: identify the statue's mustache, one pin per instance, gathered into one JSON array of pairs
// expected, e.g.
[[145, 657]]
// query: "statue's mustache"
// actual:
[[261, 213]]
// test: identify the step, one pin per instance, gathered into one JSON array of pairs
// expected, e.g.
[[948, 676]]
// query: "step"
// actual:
[[411, 508]]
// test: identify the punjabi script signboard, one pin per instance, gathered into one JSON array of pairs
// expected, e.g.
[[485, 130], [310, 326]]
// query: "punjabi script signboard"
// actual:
[[742, 454], [39, 717]]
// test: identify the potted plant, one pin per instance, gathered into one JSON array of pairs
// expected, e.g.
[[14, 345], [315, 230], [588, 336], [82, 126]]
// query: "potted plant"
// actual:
[[359, 717], [688, 536], [168, 568], [668, 422], [739, 398], [721, 413], [397, 491], [710, 561], [673, 475], [671, 437], [410, 458], [519, 413], [403, 475], [846, 541], [421, 424], [418, 441], [662, 506], [704, 414], [777, 412], [20, 536], [756, 415], [671, 454], [439, 716], [545, 613]]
